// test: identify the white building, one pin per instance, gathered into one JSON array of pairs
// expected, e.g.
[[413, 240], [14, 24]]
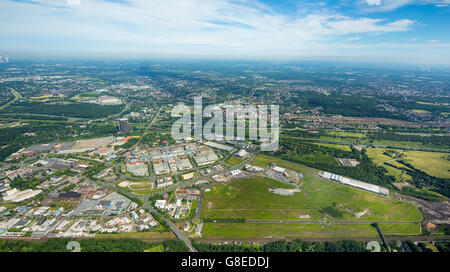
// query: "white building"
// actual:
[[160, 204], [15, 195]]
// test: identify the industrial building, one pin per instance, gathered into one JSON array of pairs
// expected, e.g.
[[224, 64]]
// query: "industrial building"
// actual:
[[161, 168], [355, 183], [219, 146], [205, 158], [15, 195], [242, 153], [137, 168], [183, 164]]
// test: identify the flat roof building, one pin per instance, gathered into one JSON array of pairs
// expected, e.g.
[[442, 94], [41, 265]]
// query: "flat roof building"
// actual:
[[161, 168]]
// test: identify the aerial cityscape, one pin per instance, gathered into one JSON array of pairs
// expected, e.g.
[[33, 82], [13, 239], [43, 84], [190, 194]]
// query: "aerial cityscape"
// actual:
[[143, 142]]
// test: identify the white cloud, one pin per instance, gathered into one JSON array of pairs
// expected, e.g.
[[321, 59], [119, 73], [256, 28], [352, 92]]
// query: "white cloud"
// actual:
[[366, 25], [73, 2], [389, 5], [374, 2], [197, 27]]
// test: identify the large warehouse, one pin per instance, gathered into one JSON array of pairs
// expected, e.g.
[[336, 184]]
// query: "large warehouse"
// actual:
[[355, 183]]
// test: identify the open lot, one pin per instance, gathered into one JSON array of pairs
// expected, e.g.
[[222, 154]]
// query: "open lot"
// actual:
[[250, 199], [234, 160]]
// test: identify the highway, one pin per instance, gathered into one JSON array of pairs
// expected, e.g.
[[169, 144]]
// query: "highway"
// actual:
[[17, 96]]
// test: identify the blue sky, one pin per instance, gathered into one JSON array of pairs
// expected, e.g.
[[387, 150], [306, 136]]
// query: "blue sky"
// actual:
[[415, 31]]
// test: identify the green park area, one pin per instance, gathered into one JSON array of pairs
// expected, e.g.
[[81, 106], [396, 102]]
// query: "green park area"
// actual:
[[251, 199]]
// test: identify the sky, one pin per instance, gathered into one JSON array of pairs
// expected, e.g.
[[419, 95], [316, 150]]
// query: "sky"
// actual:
[[409, 31]]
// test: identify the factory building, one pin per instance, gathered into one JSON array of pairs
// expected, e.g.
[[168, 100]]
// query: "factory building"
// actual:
[[355, 183]]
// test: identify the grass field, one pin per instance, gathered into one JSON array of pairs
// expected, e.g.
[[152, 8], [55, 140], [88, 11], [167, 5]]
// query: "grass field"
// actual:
[[86, 95], [420, 111], [335, 146], [234, 160], [433, 163], [347, 134], [159, 248], [250, 198], [377, 156], [311, 231]]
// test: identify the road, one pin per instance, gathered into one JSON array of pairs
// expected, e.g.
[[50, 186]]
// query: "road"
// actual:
[[17, 96]]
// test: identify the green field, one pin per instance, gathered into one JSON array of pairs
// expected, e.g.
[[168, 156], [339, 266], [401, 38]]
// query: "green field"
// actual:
[[420, 111], [335, 146], [311, 231], [347, 134], [433, 163], [250, 198], [377, 156], [158, 248], [234, 160], [86, 95]]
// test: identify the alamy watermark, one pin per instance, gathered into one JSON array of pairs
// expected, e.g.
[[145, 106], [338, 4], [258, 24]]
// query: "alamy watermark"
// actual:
[[231, 119]]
